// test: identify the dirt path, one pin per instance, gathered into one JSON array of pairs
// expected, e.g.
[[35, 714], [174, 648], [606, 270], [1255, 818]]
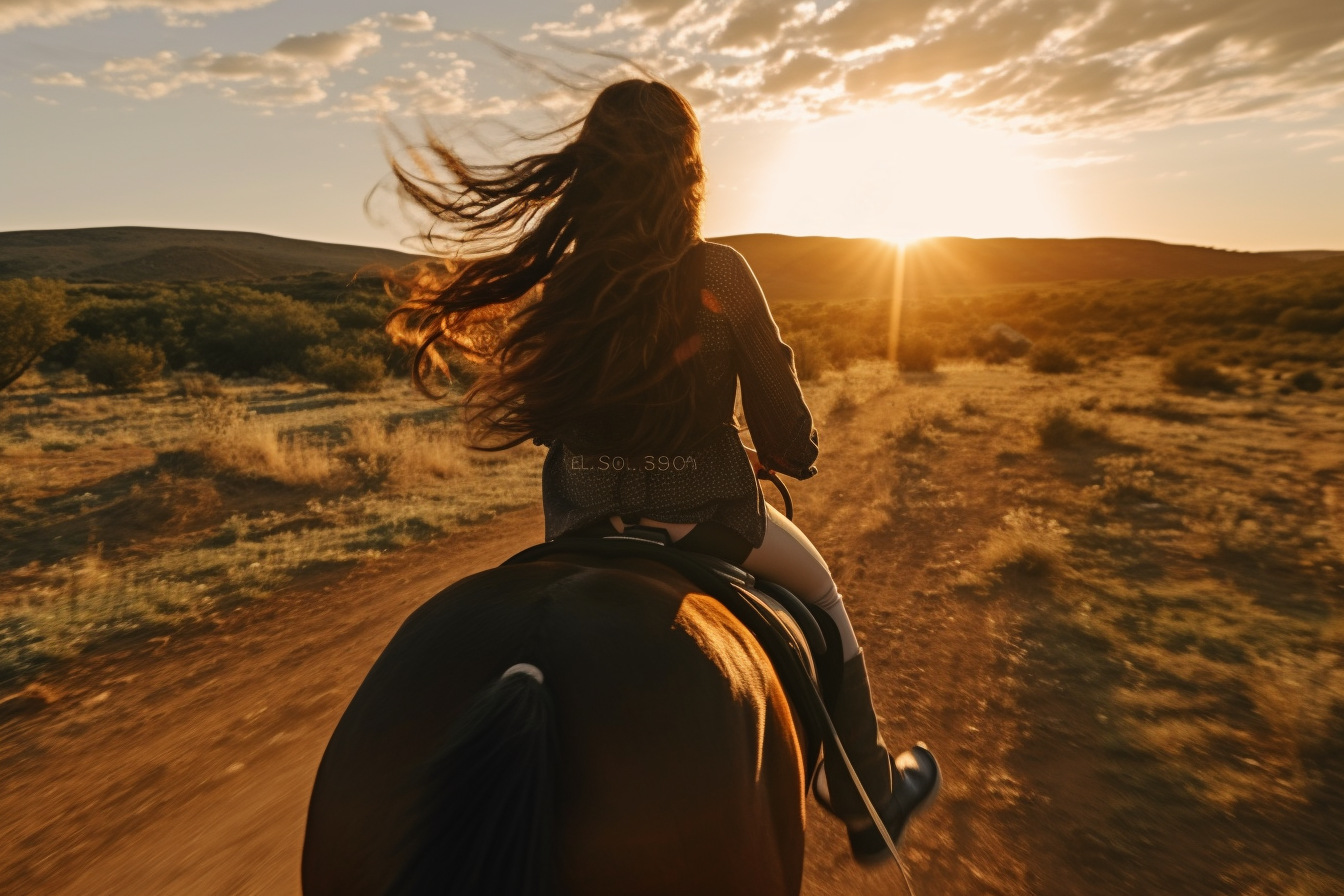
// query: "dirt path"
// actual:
[[185, 769]]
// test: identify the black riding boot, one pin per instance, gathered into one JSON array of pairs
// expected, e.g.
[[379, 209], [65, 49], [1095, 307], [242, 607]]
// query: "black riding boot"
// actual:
[[898, 788]]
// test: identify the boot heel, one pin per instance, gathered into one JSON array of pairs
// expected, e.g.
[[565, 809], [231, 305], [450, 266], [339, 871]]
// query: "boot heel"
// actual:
[[920, 781]]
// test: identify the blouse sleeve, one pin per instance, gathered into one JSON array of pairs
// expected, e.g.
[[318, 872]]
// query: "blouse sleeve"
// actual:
[[778, 416]]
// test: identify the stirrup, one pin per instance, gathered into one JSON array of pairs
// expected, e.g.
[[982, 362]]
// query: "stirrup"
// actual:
[[917, 780]]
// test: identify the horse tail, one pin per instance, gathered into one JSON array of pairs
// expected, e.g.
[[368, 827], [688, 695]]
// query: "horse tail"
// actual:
[[486, 823]]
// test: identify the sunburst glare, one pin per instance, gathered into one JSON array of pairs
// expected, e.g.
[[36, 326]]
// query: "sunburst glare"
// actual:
[[903, 173]]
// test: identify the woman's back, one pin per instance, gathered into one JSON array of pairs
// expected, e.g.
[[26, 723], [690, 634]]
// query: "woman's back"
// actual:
[[709, 477]]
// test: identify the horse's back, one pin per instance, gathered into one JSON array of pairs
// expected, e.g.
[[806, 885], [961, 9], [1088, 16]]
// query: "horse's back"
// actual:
[[678, 767]]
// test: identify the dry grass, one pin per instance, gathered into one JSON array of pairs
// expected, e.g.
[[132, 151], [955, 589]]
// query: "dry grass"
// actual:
[[405, 456], [1059, 426], [1028, 543], [234, 440], [1167, 594], [250, 491], [83, 602], [1299, 695]]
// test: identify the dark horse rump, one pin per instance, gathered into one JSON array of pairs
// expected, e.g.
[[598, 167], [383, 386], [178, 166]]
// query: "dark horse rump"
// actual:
[[658, 756]]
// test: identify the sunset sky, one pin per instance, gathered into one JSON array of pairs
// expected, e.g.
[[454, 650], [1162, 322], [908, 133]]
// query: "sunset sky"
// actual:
[[1212, 122]]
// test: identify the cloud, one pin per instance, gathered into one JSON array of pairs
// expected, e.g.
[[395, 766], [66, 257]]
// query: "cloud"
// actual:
[[61, 79], [415, 21], [51, 13], [1042, 65], [442, 94], [291, 73], [334, 48], [302, 70]]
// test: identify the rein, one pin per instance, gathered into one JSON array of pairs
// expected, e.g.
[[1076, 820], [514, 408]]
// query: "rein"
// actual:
[[772, 476]]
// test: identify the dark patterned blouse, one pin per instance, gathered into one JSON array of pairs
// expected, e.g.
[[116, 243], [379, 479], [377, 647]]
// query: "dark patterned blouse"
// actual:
[[711, 479]]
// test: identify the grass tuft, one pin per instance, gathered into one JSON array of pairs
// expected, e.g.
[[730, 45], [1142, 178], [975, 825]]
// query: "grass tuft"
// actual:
[[1052, 357], [1026, 543], [233, 440], [1059, 426]]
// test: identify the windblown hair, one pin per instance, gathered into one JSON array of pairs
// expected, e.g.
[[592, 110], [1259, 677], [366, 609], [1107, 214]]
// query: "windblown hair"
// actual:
[[567, 283]]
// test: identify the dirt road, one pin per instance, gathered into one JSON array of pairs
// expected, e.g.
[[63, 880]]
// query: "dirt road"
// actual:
[[184, 768]]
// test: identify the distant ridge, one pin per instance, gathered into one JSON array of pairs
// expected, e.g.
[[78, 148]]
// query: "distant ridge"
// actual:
[[789, 267], [124, 254], [812, 267]]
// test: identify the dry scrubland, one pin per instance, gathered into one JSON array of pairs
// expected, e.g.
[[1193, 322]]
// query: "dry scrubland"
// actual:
[[1147, 510], [140, 512], [1175, 559]]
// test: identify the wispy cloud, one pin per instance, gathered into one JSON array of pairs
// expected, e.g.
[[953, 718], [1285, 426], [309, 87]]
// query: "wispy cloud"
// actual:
[[289, 74], [301, 71], [415, 21], [61, 79], [1043, 65], [441, 94], [52, 13]]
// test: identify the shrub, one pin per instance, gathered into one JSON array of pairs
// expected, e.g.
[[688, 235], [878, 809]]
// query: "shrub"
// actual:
[[357, 315], [1026, 543], [199, 385], [844, 404], [1059, 427], [1308, 381], [244, 331], [1052, 357], [1189, 371], [917, 428], [161, 318], [232, 440], [344, 370], [972, 408], [1311, 320], [996, 354], [119, 365], [33, 318], [809, 355], [918, 354], [404, 457]]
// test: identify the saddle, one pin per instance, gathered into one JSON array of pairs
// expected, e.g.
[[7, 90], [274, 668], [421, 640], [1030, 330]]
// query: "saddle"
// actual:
[[801, 641]]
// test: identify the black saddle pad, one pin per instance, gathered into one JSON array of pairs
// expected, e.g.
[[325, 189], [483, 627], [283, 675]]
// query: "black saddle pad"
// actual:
[[802, 642]]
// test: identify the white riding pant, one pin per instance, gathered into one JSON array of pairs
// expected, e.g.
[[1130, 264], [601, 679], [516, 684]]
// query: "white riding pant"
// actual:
[[786, 557]]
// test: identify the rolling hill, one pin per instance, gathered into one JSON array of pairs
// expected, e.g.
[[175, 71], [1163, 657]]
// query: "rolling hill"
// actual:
[[128, 254], [789, 267], [802, 268]]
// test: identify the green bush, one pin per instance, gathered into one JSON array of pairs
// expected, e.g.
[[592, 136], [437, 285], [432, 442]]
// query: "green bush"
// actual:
[[243, 331], [1048, 356], [119, 365], [344, 370], [1189, 371], [157, 317], [33, 318]]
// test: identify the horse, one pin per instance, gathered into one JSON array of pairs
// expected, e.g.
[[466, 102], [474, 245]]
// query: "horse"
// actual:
[[642, 745]]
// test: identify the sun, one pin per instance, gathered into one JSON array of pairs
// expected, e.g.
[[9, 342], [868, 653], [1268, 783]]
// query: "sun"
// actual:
[[904, 173]]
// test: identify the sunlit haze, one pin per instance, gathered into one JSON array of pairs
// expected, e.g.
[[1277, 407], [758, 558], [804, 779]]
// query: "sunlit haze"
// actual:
[[853, 118], [904, 173]]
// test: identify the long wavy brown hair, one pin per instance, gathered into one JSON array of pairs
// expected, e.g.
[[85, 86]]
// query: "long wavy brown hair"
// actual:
[[567, 282]]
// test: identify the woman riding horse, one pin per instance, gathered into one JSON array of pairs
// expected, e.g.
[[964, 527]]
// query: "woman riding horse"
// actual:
[[641, 742]]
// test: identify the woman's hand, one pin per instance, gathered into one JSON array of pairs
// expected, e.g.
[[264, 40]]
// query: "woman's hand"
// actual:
[[754, 458]]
